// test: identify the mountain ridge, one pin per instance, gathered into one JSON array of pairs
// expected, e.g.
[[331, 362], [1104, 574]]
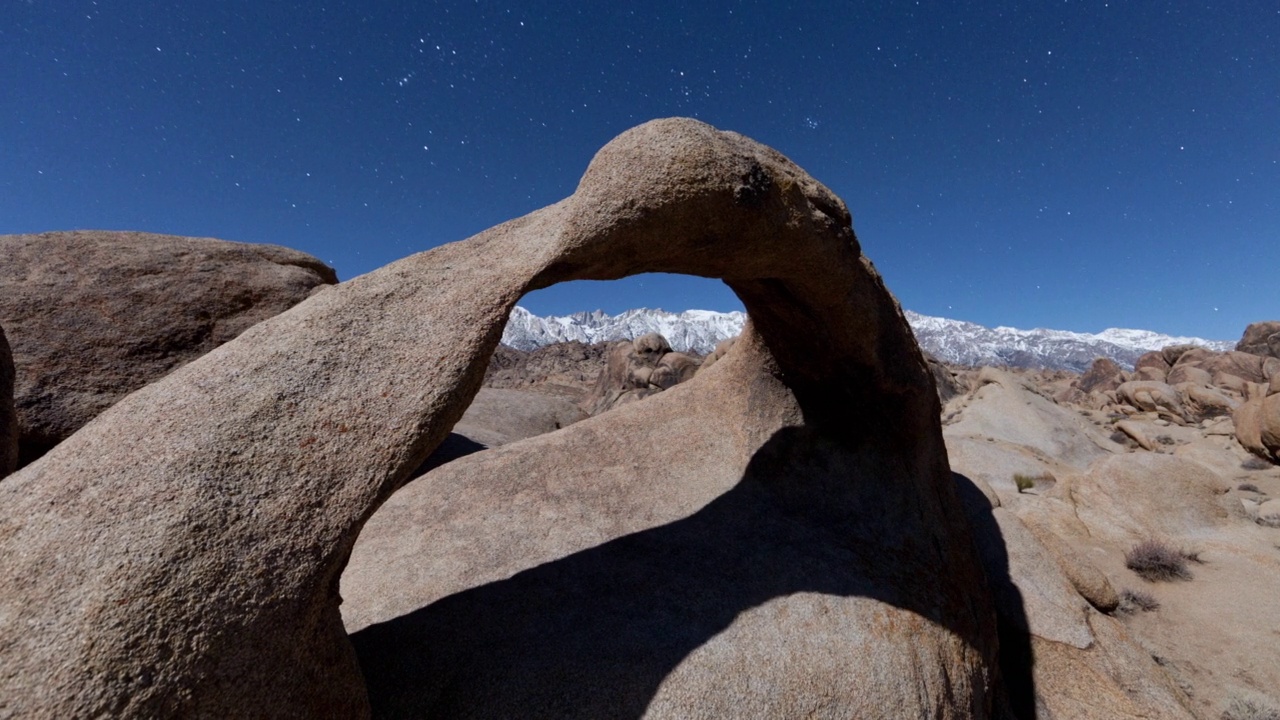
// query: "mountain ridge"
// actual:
[[953, 341]]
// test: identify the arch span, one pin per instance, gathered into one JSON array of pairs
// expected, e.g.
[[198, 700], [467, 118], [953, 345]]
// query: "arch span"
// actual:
[[181, 554]]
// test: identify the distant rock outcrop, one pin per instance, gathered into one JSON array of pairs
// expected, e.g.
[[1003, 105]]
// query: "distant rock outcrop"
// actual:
[[637, 369], [181, 555], [1261, 338], [568, 370], [93, 316], [8, 417]]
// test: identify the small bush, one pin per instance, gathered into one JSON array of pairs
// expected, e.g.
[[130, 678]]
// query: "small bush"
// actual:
[[1154, 561], [1164, 440], [1256, 463], [1026, 482], [1249, 709], [1133, 601], [1248, 487]]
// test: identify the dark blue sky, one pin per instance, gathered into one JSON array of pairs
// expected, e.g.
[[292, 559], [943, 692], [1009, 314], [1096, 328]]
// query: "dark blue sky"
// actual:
[[1075, 165]]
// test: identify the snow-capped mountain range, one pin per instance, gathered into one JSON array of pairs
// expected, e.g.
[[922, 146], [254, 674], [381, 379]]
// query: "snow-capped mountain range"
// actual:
[[952, 341]]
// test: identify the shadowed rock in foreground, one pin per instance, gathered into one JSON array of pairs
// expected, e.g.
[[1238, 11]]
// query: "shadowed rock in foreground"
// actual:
[[8, 418], [797, 546]]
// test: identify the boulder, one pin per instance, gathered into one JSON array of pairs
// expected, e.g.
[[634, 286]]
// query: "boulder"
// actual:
[[8, 416], [93, 316], [1135, 432], [1104, 374], [1202, 403], [1188, 373], [1147, 396], [1243, 365], [181, 555], [1155, 361], [1257, 424], [1173, 353], [1261, 338], [673, 368], [1150, 373]]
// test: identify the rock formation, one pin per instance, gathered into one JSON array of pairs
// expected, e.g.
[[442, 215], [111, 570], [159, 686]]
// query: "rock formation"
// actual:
[[637, 369], [181, 554], [8, 417], [93, 316], [1261, 338]]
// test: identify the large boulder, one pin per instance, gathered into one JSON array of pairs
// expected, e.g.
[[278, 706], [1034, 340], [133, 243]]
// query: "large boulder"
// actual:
[[93, 316], [181, 555], [1104, 374], [8, 417], [1261, 338], [1257, 424]]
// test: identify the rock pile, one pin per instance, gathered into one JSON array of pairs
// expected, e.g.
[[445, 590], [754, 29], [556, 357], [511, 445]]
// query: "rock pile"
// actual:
[[1189, 385], [92, 316], [181, 555]]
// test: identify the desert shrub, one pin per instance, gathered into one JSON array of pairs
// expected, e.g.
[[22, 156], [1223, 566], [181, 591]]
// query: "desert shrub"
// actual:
[[1248, 487], [1255, 463], [1164, 440], [1155, 561], [1132, 601], [1239, 708], [1271, 521], [1026, 482]]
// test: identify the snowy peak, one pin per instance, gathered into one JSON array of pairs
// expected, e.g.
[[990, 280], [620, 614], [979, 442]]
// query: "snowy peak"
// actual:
[[695, 331], [952, 341]]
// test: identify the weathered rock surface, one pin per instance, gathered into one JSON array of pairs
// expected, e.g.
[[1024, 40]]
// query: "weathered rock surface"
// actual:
[[1007, 408], [92, 316], [1261, 338], [8, 416], [181, 554], [1257, 424]]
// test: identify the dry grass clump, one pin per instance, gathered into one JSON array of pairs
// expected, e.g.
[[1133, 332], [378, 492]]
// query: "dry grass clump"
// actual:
[[1239, 708], [1133, 601], [1026, 482], [1165, 440], [1154, 561]]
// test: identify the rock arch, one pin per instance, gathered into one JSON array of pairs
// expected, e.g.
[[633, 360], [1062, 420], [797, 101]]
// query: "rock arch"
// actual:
[[181, 554]]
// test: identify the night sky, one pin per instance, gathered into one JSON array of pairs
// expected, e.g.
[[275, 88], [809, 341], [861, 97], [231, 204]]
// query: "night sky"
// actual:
[[1075, 165]]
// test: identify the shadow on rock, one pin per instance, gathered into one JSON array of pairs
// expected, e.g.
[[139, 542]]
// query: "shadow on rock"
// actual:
[[595, 634], [1016, 658]]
